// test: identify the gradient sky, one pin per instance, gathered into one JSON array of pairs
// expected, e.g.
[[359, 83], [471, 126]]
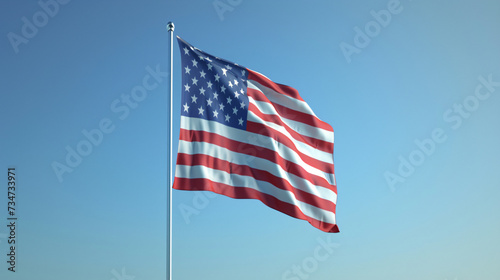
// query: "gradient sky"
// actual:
[[411, 89]]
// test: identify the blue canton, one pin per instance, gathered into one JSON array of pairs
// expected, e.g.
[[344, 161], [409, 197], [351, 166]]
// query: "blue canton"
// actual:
[[212, 88]]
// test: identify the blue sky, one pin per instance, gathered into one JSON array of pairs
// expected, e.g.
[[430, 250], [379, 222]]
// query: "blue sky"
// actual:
[[411, 89]]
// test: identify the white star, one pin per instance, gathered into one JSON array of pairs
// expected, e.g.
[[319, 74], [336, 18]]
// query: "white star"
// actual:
[[235, 82], [202, 74], [240, 121], [216, 77], [216, 95], [236, 94], [186, 51], [223, 88], [195, 81], [208, 59], [187, 70], [195, 63], [221, 107], [201, 57], [243, 72], [242, 105], [242, 91], [209, 66], [235, 111], [202, 91], [186, 107], [209, 84], [229, 100], [227, 118], [216, 114], [224, 70], [194, 98], [229, 67], [187, 87], [209, 102], [230, 84], [201, 110]]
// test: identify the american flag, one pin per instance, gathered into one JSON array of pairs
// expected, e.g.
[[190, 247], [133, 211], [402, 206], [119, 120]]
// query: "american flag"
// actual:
[[244, 136]]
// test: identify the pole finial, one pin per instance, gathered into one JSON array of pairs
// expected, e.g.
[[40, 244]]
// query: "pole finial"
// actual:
[[170, 26]]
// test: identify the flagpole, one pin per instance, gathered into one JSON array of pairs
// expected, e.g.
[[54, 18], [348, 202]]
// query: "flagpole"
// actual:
[[170, 28]]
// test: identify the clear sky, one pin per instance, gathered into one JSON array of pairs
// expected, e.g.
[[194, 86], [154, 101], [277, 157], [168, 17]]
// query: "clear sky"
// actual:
[[411, 88]]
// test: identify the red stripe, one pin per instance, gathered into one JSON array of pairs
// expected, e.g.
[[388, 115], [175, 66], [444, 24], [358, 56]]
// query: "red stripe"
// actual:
[[321, 145], [255, 151], [245, 193], [257, 174], [262, 129], [290, 114], [283, 89]]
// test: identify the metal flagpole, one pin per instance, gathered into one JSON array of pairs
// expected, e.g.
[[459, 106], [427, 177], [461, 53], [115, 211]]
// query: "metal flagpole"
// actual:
[[170, 28]]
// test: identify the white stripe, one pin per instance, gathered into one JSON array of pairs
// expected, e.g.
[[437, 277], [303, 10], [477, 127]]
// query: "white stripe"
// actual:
[[302, 147], [192, 148], [194, 172], [299, 127], [312, 131], [256, 140], [281, 99]]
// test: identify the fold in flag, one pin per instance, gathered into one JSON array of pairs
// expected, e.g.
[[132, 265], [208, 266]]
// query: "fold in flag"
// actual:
[[244, 136]]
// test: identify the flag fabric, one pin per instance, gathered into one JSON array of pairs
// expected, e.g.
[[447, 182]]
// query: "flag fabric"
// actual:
[[246, 137]]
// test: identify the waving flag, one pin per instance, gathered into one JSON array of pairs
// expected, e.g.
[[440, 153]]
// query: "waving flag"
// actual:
[[244, 136]]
